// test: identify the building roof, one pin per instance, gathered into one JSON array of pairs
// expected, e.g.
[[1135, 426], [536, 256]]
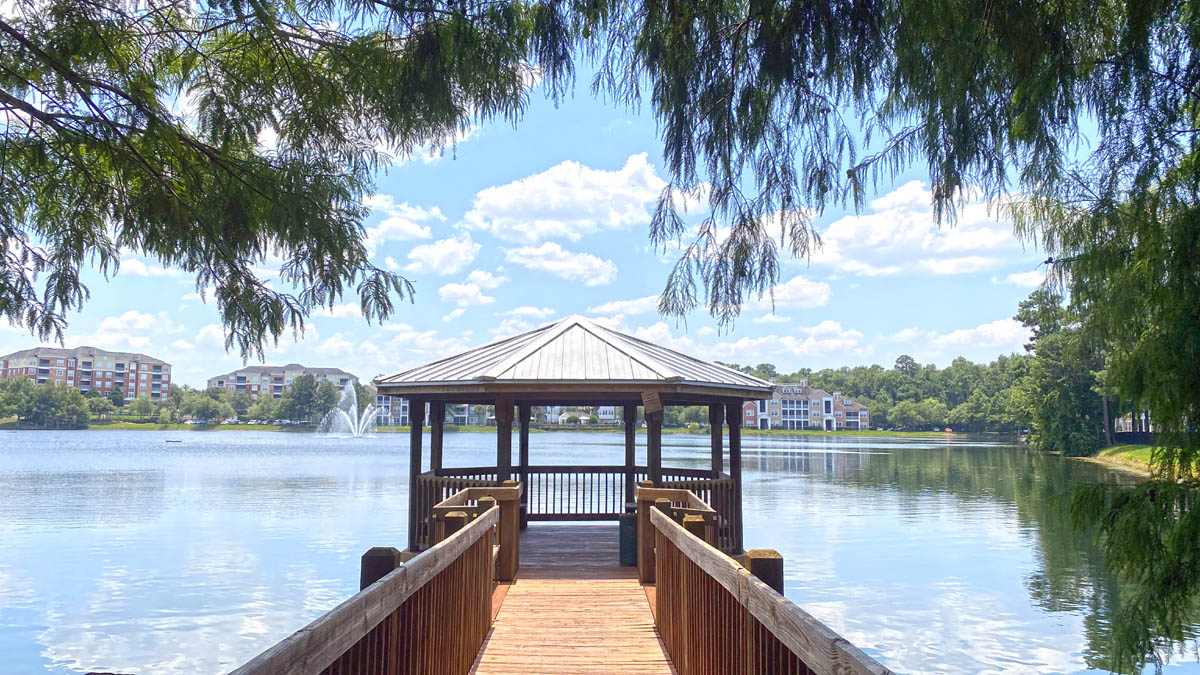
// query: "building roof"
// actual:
[[289, 367], [573, 354], [79, 352]]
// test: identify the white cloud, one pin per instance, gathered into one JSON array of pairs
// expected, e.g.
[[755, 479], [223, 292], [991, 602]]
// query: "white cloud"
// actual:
[[900, 234], [211, 335], [1004, 333], [347, 310], [454, 314], [909, 335], [188, 297], [404, 222], [509, 327], [531, 312], [1031, 279], [804, 342], [447, 256], [567, 200], [335, 346], [552, 258], [132, 329], [485, 279], [627, 307], [183, 345], [464, 295], [798, 292], [139, 268], [772, 318]]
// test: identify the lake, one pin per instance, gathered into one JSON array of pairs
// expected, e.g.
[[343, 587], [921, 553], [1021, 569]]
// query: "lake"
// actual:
[[121, 552]]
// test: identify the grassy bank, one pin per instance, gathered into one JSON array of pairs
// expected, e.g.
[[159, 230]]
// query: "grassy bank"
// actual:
[[1134, 458], [153, 426]]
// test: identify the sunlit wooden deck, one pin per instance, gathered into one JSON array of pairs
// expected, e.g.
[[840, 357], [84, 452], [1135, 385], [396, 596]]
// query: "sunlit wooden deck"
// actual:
[[573, 609]]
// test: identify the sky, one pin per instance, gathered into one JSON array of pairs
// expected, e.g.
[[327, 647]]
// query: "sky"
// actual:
[[514, 227]]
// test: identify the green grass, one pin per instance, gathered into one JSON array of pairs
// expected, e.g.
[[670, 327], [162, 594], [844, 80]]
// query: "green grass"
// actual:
[[1132, 457]]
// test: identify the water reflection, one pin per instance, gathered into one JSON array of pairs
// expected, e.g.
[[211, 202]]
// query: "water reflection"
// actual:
[[122, 553]]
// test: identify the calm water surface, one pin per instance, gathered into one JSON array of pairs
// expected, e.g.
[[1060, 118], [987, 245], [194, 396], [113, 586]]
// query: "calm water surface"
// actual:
[[121, 552]]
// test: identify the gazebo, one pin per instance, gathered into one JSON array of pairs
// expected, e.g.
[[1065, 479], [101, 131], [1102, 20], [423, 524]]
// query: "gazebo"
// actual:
[[575, 361]]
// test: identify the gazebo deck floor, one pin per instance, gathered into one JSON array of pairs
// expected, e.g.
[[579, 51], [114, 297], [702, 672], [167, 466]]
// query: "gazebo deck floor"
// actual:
[[573, 609]]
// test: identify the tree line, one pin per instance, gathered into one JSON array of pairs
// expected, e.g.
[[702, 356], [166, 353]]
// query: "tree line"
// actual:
[[1056, 391], [49, 406]]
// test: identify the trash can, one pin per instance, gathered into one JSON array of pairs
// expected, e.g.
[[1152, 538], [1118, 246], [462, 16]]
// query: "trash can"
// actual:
[[628, 534]]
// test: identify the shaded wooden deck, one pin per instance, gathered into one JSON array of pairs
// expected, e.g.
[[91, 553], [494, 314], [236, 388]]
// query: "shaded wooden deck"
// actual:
[[573, 609]]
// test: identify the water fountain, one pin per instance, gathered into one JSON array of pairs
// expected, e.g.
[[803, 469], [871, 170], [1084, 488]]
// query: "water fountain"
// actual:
[[344, 418]]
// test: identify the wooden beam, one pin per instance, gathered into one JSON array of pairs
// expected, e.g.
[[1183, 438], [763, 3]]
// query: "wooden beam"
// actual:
[[629, 414], [733, 417], [437, 425], [653, 412], [716, 422], [523, 409], [504, 425], [416, 422]]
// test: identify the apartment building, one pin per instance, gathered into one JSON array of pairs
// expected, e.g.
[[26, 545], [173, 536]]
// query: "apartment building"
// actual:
[[275, 380], [799, 406], [393, 411], [87, 368]]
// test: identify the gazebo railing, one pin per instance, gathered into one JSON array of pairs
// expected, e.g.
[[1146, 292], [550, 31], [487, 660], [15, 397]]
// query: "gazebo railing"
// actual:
[[574, 493]]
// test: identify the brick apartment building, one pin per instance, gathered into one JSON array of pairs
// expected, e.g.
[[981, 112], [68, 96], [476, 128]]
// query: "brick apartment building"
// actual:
[[275, 380], [87, 368], [796, 405]]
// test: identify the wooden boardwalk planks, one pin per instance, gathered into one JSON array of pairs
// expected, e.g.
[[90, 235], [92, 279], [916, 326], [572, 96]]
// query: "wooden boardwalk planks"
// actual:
[[573, 609]]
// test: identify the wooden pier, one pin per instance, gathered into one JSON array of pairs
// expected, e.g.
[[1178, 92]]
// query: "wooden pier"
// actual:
[[573, 609], [479, 591]]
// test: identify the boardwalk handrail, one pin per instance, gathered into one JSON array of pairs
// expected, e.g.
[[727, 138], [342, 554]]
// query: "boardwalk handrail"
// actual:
[[715, 616], [574, 493], [429, 615]]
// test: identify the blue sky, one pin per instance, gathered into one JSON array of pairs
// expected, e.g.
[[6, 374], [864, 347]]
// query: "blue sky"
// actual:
[[514, 227]]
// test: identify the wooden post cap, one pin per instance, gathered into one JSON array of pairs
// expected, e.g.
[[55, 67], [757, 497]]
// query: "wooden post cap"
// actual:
[[455, 521], [508, 483], [663, 504], [694, 524], [767, 565], [377, 562], [645, 483], [486, 503]]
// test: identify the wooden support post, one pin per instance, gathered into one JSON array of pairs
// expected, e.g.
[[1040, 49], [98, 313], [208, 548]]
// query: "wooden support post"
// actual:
[[523, 460], [645, 537], [504, 424], [455, 521], [510, 536], [716, 422], [416, 422], [695, 525], [733, 417], [629, 413], [767, 565], [652, 405], [437, 425], [376, 563]]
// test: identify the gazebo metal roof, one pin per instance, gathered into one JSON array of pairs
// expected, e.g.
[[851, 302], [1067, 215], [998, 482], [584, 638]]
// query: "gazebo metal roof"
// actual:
[[573, 354]]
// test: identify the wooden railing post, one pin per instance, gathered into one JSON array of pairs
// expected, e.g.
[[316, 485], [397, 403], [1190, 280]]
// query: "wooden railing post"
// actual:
[[696, 525], [510, 536], [377, 562], [767, 565], [645, 536], [453, 522]]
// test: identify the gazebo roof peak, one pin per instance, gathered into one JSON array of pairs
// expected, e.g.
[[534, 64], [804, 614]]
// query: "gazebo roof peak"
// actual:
[[572, 351]]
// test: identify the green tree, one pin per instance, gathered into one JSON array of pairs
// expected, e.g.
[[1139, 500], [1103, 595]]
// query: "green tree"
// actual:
[[265, 408], [240, 401], [98, 405], [325, 399], [143, 407], [364, 396], [117, 397], [300, 401], [1067, 414]]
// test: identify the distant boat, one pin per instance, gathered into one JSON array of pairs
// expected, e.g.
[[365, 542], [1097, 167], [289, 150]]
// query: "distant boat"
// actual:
[[175, 440]]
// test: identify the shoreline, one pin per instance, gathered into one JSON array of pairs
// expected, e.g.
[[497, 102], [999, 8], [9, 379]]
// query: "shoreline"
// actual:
[[1133, 459], [613, 429]]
